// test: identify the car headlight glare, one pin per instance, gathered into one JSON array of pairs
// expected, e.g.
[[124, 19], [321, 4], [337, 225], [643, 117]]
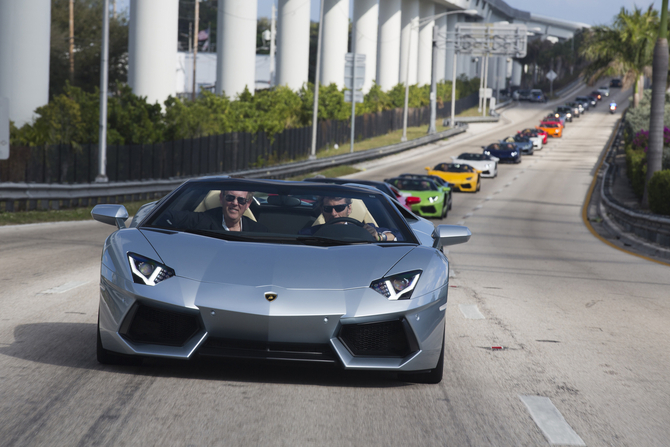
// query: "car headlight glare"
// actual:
[[433, 199], [147, 271], [397, 287], [513, 153]]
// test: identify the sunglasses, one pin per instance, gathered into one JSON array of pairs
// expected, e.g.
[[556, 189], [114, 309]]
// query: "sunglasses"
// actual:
[[240, 200], [339, 208]]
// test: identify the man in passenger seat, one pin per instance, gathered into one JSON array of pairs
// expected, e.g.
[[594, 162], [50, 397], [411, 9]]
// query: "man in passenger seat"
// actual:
[[334, 207]]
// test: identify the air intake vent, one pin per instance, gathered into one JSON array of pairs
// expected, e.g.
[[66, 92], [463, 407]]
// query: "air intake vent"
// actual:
[[385, 339], [159, 326]]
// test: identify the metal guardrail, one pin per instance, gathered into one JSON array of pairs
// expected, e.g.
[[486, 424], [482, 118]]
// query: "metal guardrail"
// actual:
[[651, 227], [44, 196]]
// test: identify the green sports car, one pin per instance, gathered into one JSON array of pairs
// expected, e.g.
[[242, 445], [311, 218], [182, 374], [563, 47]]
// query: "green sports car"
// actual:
[[427, 198]]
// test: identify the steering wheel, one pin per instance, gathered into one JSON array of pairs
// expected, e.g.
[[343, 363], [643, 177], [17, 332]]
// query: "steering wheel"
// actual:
[[345, 219]]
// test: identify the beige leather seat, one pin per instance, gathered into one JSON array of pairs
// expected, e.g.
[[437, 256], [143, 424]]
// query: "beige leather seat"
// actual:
[[358, 211], [212, 201]]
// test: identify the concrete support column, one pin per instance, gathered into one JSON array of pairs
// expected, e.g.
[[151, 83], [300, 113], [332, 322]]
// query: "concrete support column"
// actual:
[[293, 43], [425, 62], [25, 40], [152, 48], [335, 41], [366, 16], [410, 15], [441, 24], [236, 47], [389, 43], [450, 25], [517, 70]]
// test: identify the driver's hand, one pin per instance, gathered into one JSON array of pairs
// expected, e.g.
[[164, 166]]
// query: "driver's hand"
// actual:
[[372, 231]]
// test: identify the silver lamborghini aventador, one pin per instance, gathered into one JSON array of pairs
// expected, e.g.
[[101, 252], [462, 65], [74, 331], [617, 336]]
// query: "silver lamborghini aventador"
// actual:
[[276, 270]]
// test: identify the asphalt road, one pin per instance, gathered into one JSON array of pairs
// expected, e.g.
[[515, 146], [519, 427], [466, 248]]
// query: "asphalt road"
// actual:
[[582, 330]]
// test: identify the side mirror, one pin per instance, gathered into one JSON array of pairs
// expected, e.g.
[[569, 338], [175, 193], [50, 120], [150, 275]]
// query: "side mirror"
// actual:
[[111, 215], [450, 235]]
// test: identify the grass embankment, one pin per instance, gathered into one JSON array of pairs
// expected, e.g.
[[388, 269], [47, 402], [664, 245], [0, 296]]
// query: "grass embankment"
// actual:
[[84, 213]]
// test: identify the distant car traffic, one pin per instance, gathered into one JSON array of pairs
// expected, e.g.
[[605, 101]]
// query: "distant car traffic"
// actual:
[[537, 95], [616, 83], [589, 99], [604, 90], [521, 95], [538, 137], [565, 110]]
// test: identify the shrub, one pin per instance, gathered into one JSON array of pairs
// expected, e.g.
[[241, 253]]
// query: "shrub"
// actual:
[[659, 192], [636, 170]]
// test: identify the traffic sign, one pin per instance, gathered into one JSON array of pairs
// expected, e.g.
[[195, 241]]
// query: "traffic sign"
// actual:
[[551, 75], [348, 69]]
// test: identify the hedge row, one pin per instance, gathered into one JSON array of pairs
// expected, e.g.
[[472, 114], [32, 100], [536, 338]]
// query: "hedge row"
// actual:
[[659, 192]]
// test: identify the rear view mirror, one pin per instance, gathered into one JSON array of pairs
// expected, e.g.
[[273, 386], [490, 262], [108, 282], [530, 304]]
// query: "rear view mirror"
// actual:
[[111, 215], [450, 235]]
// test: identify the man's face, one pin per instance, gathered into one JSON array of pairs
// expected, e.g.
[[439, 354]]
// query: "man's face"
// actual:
[[331, 207], [232, 208]]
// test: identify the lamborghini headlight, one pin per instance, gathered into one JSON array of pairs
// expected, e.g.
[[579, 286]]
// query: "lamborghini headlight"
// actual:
[[513, 153], [433, 199], [469, 178], [147, 271], [397, 287]]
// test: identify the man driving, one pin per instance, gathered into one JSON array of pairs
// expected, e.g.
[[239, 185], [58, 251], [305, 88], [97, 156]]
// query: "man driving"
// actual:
[[339, 207]]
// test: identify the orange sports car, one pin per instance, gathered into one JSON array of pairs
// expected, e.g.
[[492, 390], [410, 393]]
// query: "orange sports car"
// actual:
[[553, 129]]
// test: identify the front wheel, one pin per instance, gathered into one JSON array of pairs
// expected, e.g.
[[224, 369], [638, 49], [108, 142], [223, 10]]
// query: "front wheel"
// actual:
[[445, 207], [432, 376]]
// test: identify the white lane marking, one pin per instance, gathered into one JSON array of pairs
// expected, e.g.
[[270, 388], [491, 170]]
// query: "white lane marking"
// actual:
[[488, 198], [498, 191], [64, 288], [478, 207], [467, 215], [551, 421], [515, 177], [471, 312], [507, 184], [460, 222], [451, 274]]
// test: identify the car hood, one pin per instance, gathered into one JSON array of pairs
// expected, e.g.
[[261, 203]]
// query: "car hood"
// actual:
[[207, 259]]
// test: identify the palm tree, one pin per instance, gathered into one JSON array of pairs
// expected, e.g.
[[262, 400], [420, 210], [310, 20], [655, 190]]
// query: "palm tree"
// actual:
[[624, 49]]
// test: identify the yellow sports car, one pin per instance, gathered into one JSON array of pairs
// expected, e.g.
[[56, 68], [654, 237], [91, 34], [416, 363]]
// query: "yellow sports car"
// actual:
[[462, 177]]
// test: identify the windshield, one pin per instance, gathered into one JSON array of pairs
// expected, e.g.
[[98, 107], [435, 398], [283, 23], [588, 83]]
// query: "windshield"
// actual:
[[406, 184], [281, 212], [473, 157], [453, 167]]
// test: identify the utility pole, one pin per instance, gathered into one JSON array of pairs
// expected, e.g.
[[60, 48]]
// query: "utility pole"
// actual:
[[72, 42], [102, 136], [195, 44], [315, 106], [273, 34]]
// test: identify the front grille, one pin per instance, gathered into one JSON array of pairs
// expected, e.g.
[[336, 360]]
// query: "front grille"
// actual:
[[428, 209], [219, 347], [384, 339], [146, 324], [466, 186]]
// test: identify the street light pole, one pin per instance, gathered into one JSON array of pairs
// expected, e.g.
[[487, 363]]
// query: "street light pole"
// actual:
[[315, 111], [102, 136], [433, 86]]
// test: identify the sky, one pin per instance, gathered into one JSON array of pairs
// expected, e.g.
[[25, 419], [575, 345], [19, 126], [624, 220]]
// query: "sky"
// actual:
[[591, 12]]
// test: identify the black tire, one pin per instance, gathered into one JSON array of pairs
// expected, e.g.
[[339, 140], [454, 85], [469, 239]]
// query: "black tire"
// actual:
[[433, 376], [450, 200], [107, 357], [479, 184], [445, 207]]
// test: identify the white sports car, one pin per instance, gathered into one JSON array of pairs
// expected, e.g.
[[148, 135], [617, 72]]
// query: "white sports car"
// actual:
[[487, 164]]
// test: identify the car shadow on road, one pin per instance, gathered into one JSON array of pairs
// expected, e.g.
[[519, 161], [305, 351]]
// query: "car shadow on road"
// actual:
[[73, 345]]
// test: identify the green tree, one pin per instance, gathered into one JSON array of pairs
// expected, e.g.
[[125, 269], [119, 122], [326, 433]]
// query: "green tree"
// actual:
[[87, 40], [623, 49]]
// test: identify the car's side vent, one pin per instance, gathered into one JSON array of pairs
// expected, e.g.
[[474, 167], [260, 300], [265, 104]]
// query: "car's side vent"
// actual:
[[383, 339], [146, 324]]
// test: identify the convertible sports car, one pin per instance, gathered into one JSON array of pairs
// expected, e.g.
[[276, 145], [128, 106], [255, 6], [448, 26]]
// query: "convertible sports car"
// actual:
[[433, 201], [464, 177], [553, 129], [439, 181], [521, 142], [534, 134], [359, 292], [505, 152], [486, 164]]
